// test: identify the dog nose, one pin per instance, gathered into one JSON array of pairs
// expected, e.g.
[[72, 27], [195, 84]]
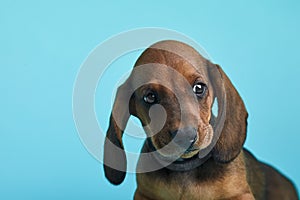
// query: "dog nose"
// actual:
[[185, 137]]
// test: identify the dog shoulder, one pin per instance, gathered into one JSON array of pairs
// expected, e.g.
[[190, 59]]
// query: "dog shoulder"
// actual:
[[265, 181]]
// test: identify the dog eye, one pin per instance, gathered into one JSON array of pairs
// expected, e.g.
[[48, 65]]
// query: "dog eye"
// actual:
[[199, 89], [150, 98]]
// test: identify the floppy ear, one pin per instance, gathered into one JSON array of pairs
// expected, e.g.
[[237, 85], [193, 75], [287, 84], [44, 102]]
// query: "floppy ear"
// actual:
[[232, 108], [115, 162]]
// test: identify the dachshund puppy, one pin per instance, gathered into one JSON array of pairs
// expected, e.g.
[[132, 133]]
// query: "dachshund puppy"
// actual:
[[195, 153]]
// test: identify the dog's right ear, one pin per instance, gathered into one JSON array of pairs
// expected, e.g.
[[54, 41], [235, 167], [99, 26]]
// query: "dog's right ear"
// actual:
[[115, 162]]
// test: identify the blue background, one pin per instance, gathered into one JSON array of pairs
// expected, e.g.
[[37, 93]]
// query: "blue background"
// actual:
[[43, 44]]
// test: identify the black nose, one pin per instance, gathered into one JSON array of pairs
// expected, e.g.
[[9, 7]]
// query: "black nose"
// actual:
[[185, 137]]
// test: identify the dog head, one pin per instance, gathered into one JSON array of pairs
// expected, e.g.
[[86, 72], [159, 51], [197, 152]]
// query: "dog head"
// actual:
[[177, 112]]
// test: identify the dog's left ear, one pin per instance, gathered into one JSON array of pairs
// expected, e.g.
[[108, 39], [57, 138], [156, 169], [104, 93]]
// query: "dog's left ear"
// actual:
[[233, 133], [115, 163]]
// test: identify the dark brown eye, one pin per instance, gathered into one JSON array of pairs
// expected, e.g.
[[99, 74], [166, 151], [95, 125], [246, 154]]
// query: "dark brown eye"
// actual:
[[199, 89], [150, 98]]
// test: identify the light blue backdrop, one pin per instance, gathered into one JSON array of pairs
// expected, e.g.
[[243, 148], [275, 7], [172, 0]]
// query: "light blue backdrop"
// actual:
[[42, 46]]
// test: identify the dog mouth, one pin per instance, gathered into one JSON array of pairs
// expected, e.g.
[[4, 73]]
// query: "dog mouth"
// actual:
[[189, 154], [189, 160], [187, 157]]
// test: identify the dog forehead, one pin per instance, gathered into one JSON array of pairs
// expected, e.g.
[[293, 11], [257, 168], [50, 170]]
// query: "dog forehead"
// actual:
[[177, 55]]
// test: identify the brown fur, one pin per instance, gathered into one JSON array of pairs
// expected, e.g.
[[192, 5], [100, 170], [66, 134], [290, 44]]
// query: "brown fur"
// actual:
[[230, 172]]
